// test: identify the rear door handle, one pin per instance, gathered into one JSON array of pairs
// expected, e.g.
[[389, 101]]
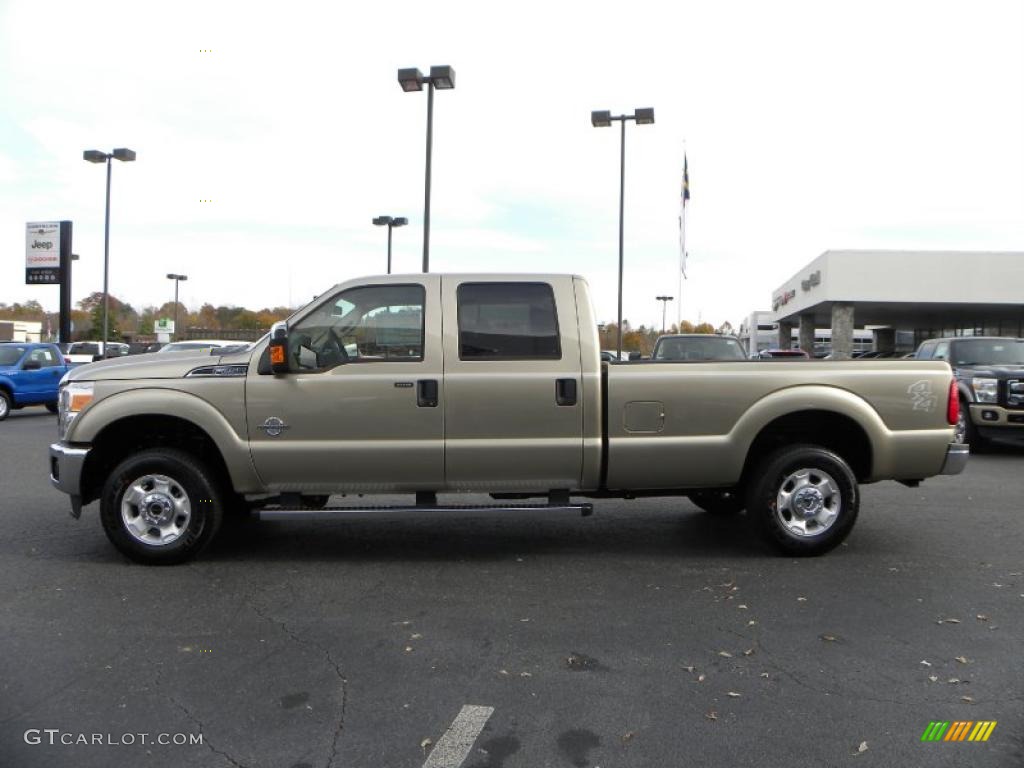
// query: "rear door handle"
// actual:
[[565, 391], [426, 393]]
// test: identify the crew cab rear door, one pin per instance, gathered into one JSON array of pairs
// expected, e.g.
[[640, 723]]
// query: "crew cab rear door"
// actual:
[[513, 412]]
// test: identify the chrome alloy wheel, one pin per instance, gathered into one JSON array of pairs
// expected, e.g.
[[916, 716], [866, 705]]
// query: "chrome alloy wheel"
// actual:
[[808, 502], [156, 510]]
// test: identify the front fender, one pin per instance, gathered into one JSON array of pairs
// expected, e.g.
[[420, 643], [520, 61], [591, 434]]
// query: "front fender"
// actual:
[[170, 402]]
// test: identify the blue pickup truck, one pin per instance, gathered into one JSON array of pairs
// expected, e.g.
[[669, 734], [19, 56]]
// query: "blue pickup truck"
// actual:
[[29, 375]]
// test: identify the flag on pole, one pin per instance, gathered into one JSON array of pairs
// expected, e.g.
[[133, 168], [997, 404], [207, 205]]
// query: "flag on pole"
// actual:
[[684, 197]]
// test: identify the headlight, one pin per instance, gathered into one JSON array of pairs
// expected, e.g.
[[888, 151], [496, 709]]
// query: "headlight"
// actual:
[[985, 390], [72, 399]]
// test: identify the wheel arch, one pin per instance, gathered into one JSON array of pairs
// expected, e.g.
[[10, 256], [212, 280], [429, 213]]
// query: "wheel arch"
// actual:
[[139, 419], [833, 418]]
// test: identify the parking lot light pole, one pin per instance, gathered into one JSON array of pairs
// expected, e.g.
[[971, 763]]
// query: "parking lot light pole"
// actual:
[[177, 279], [95, 156], [664, 305], [411, 79], [603, 119], [391, 222]]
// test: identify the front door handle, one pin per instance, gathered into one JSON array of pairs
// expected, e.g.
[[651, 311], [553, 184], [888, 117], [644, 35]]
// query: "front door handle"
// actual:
[[426, 393], [565, 391]]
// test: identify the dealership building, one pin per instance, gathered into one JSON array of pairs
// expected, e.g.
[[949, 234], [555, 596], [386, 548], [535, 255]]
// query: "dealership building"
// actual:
[[908, 296]]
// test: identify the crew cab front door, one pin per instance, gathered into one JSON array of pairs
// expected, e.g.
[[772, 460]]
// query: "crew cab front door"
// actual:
[[362, 408]]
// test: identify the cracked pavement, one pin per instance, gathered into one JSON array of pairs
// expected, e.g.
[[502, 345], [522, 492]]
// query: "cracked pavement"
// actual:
[[650, 634]]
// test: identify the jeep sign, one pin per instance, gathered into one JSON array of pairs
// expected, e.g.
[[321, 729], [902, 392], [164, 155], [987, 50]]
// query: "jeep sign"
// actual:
[[42, 252]]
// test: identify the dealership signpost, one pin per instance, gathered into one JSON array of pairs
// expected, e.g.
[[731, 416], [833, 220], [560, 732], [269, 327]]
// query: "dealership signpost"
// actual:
[[48, 262]]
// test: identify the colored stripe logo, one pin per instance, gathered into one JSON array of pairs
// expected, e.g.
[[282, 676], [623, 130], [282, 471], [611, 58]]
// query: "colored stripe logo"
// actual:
[[958, 730]]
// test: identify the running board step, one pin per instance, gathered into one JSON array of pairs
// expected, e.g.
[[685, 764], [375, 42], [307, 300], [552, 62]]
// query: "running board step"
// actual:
[[336, 513]]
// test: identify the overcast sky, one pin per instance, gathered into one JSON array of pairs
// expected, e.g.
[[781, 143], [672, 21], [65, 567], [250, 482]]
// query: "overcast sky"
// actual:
[[808, 125]]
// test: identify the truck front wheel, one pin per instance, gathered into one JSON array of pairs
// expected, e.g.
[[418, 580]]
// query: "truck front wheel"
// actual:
[[161, 506], [804, 498]]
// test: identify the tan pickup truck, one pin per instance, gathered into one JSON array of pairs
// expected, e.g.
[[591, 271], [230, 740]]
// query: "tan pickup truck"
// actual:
[[427, 384]]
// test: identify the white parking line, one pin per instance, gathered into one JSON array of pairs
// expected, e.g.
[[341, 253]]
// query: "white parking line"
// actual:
[[453, 747]]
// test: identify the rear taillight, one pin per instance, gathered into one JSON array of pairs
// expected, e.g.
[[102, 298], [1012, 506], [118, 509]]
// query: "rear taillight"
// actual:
[[953, 404]]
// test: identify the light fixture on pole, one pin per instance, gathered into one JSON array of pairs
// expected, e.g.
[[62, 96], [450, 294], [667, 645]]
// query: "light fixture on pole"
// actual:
[[177, 279], [95, 156], [391, 222], [664, 305], [442, 78], [603, 119]]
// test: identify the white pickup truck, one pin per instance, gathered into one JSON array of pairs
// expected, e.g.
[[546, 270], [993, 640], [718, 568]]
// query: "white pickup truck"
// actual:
[[427, 384]]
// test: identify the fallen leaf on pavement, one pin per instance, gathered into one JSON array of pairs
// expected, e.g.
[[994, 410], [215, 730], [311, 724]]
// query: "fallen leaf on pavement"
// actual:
[[700, 678], [733, 694], [948, 621], [628, 735], [726, 654], [933, 678], [863, 747], [926, 663], [764, 675], [981, 617], [968, 699], [962, 659], [829, 638], [953, 680], [752, 622], [748, 652], [712, 715], [425, 744], [801, 599]]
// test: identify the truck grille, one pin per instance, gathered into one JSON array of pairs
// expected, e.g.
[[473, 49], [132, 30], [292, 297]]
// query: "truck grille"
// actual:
[[1015, 393]]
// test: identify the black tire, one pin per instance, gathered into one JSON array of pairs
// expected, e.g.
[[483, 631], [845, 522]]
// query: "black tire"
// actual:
[[718, 502], [183, 474], [968, 433], [315, 501], [51, 407], [826, 473], [5, 405]]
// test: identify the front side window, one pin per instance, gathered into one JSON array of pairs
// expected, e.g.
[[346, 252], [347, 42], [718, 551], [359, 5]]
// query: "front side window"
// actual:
[[10, 355], [508, 321], [373, 323]]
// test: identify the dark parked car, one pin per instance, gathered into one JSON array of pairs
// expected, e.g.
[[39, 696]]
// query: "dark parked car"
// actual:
[[697, 346], [989, 372]]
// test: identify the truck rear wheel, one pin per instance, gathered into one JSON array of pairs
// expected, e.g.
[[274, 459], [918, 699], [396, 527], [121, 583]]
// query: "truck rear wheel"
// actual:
[[804, 498], [161, 506]]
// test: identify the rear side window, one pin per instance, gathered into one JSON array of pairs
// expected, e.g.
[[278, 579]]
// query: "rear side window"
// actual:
[[926, 351], [508, 321]]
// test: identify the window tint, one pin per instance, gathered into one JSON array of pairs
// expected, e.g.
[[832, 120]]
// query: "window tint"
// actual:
[[45, 357], [941, 351], [373, 323], [508, 321], [84, 348], [925, 352]]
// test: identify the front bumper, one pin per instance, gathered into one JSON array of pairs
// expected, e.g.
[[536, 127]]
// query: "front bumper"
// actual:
[[66, 463], [956, 459]]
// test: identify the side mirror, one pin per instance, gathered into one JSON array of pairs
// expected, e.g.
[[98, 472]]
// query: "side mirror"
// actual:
[[634, 356], [31, 365], [279, 347]]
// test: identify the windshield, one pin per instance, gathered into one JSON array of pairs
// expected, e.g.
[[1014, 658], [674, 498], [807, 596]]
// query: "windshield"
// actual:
[[84, 348], [988, 352], [10, 355], [694, 348]]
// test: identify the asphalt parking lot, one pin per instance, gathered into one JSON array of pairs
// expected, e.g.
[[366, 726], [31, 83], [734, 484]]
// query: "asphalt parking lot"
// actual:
[[650, 634]]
